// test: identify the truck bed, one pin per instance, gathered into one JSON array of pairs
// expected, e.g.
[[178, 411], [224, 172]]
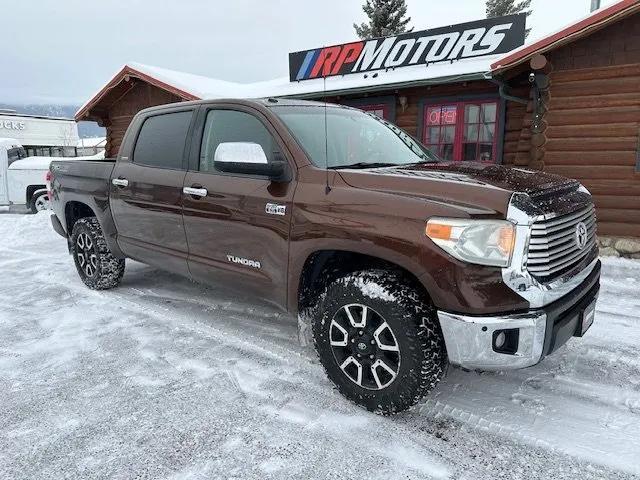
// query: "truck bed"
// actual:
[[83, 168], [83, 181]]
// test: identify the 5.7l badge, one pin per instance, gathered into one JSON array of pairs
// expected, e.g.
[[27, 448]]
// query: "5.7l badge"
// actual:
[[275, 209]]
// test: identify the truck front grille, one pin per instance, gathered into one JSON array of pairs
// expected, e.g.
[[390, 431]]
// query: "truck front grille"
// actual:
[[553, 247]]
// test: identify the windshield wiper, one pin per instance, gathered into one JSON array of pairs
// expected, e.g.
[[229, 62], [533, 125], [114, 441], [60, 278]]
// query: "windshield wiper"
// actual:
[[365, 165], [426, 160]]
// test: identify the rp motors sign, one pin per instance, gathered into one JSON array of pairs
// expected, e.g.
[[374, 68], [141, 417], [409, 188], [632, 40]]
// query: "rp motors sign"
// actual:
[[456, 42]]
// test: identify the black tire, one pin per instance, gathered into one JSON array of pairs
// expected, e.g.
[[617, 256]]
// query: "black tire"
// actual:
[[96, 265], [421, 360], [36, 200]]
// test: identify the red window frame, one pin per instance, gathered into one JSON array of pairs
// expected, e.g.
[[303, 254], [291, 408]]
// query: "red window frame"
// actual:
[[459, 123]]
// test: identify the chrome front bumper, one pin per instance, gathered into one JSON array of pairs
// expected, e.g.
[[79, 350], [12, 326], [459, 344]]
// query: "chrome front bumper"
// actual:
[[469, 340]]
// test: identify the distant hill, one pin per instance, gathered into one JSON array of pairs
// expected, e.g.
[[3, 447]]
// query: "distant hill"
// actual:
[[85, 129]]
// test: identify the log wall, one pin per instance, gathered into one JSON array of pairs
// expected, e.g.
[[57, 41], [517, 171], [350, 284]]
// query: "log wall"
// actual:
[[141, 95], [594, 122]]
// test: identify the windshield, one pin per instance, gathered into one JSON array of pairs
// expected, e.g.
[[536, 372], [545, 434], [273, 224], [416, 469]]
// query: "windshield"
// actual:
[[341, 138]]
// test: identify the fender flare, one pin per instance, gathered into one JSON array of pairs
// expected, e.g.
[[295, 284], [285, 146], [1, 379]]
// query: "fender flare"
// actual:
[[298, 260]]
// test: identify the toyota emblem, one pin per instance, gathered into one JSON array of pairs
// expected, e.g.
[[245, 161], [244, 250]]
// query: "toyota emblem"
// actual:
[[581, 235]]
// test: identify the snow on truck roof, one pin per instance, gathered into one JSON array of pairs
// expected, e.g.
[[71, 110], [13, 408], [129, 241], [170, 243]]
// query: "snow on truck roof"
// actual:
[[197, 87]]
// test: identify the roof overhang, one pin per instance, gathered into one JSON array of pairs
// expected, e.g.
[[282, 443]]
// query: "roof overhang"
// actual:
[[390, 86], [586, 26], [124, 75]]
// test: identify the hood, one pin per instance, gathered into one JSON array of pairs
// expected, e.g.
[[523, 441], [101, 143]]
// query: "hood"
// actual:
[[477, 187], [512, 179]]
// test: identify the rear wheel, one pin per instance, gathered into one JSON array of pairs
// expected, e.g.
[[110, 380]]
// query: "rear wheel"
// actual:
[[96, 265], [39, 202], [379, 341]]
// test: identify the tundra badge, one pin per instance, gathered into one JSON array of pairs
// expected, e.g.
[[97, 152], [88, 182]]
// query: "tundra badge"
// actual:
[[244, 261], [275, 209]]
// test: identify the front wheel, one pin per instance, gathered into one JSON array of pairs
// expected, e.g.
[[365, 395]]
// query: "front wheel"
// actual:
[[96, 265], [379, 341]]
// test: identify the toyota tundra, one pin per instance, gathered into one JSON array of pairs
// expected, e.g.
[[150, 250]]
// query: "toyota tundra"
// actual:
[[394, 262]]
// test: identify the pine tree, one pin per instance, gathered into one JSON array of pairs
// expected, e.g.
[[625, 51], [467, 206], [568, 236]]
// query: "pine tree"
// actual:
[[386, 17], [499, 8]]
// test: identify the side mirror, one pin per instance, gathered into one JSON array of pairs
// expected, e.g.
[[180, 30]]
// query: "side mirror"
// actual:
[[249, 159]]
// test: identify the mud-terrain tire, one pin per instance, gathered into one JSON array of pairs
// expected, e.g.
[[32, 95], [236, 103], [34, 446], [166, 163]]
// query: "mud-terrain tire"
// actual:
[[412, 328], [96, 265]]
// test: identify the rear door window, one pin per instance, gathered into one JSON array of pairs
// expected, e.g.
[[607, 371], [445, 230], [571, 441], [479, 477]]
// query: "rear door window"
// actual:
[[162, 140]]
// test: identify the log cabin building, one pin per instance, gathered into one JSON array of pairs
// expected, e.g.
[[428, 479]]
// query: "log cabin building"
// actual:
[[568, 103]]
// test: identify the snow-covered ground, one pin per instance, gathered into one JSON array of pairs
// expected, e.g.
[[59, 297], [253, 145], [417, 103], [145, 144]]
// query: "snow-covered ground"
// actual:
[[164, 378]]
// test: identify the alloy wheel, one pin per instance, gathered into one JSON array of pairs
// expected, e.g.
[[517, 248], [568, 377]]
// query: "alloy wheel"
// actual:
[[86, 253], [364, 346]]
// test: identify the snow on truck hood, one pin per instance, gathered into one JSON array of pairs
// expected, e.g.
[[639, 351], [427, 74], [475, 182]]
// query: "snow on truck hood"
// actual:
[[511, 180], [486, 189]]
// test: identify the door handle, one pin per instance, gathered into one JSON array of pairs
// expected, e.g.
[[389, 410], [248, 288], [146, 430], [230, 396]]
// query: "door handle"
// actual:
[[120, 182], [195, 192]]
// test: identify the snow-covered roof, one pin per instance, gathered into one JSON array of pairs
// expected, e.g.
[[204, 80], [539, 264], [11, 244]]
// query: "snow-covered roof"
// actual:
[[441, 72], [195, 87], [569, 33]]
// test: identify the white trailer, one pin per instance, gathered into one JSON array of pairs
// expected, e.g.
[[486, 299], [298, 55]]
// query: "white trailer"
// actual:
[[23, 180]]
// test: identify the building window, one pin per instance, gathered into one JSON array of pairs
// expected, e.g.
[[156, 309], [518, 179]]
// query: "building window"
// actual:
[[55, 151], [462, 131], [383, 106], [381, 110]]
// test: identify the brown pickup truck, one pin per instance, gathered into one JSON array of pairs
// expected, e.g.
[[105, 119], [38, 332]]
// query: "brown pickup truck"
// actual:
[[394, 262]]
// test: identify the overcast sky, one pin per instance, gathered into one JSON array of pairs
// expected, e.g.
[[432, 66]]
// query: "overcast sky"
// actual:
[[63, 51]]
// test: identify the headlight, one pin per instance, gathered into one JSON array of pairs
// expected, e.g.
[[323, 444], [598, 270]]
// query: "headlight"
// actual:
[[485, 242]]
